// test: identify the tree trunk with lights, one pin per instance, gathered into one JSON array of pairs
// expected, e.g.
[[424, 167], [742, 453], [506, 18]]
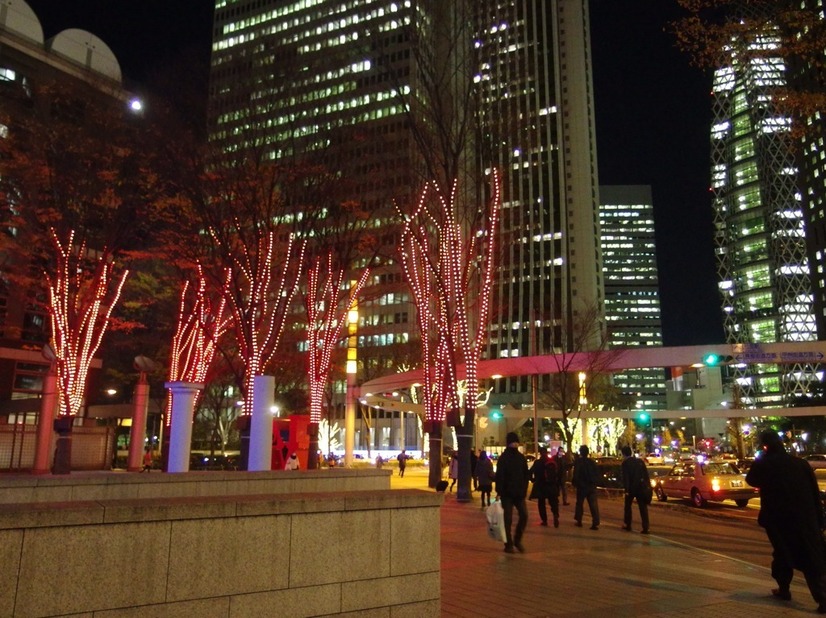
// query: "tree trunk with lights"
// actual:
[[325, 323], [449, 259], [80, 309]]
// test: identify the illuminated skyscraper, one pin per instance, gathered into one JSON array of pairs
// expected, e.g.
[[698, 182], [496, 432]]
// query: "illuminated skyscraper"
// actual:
[[632, 299], [764, 275], [311, 76]]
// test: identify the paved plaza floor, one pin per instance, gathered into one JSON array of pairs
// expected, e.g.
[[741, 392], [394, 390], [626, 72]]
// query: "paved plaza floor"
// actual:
[[580, 573]]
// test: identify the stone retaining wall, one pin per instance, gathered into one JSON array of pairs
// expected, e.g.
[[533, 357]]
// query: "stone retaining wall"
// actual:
[[365, 553], [81, 486]]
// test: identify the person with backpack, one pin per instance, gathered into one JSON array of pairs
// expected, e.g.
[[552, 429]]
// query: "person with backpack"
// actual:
[[545, 478], [637, 485]]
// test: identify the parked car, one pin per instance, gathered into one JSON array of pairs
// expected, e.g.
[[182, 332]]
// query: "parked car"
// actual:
[[704, 481], [610, 469], [816, 461]]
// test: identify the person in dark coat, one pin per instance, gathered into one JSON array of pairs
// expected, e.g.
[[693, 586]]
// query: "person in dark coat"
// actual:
[[792, 514], [637, 485], [585, 479], [563, 465], [545, 486], [484, 472], [512, 487]]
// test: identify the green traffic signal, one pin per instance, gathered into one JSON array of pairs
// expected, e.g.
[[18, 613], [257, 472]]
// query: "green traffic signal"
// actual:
[[711, 359], [642, 416], [496, 415]]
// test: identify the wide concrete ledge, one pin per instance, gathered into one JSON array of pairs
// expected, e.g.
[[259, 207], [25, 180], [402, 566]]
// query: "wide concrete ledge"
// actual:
[[90, 486], [373, 553]]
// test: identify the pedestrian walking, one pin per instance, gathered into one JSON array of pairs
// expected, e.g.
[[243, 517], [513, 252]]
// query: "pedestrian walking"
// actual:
[[402, 459], [484, 473], [563, 465], [512, 487], [586, 477], [545, 486], [637, 485], [792, 514], [147, 460], [453, 470]]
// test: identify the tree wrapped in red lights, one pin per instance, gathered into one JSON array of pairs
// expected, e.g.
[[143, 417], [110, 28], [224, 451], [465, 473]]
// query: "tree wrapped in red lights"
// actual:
[[325, 322], [449, 257], [201, 323], [260, 285], [82, 293]]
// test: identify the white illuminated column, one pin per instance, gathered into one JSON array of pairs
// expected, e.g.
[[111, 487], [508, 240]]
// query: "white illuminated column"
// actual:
[[352, 366], [263, 400], [183, 407]]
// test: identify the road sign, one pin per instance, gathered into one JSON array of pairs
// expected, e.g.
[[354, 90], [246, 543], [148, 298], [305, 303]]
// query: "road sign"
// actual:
[[779, 357]]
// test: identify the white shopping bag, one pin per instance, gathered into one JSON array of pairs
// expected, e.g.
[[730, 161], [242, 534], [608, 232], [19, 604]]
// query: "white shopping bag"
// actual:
[[496, 521]]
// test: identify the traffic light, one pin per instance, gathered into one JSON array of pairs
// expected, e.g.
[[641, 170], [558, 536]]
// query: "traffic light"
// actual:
[[711, 359], [642, 417], [496, 415]]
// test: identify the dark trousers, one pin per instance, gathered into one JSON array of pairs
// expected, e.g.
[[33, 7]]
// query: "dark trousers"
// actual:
[[629, 499], [508, 504], [543, 512], [593, 506], [790, 548]]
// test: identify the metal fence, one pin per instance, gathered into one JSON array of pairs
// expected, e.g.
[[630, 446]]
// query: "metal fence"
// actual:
[[92, 447]]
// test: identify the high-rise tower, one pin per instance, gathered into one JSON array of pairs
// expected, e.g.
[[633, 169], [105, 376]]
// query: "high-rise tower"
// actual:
[[310, 76], [763, 270], [632, 299]]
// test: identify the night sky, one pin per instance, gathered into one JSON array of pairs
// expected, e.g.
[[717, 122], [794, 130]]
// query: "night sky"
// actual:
[[653, 115]]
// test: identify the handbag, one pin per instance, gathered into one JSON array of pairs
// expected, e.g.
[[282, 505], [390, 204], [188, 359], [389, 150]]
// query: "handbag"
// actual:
[[495, 515]]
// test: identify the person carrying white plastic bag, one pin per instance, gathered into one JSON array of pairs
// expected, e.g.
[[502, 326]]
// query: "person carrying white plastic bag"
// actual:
[[496, 521]]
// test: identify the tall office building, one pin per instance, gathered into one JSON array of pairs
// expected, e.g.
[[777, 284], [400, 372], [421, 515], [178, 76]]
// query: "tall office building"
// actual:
[[812, 157], [632, 299], [308, 75], [763, 270]]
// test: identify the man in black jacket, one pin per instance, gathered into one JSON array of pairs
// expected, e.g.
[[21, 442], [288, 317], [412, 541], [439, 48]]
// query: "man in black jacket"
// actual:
[[512, 487], [586, 477], [792, 514], [637, 485]]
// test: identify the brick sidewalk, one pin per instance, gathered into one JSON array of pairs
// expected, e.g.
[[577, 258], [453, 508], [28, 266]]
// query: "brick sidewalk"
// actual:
[[580, 573]]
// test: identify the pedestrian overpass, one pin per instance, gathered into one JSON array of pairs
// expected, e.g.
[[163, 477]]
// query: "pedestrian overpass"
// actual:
[[378, 392]]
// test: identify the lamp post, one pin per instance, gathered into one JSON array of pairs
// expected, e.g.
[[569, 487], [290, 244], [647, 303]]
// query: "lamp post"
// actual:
[[351, 369]]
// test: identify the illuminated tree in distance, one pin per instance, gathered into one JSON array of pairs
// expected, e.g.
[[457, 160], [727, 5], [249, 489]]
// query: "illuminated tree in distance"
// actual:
[[449, 263], [82, 294], [259, 290], [201, 323], [324, 325]]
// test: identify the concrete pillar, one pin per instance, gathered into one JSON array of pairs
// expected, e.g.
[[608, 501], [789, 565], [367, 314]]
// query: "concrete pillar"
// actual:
[[45, 424], [137, 435], [263, 399], [180, 439]]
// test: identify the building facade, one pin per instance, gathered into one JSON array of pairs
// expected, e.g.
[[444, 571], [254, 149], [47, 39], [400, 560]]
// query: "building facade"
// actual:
[[632, 297], [74, 58], [362, 78], [760, 229]]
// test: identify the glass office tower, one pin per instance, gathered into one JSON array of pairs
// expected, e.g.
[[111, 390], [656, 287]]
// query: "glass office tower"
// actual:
[[297, 76], [760, 233], [632, 296]]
